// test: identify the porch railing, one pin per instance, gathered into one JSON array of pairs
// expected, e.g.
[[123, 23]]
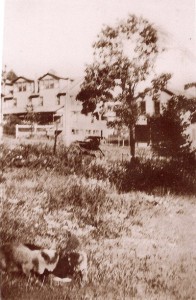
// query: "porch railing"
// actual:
[[34, 130]]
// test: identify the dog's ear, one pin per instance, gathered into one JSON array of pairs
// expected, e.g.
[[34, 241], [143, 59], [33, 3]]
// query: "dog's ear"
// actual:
[[45, 256], [50, 257]]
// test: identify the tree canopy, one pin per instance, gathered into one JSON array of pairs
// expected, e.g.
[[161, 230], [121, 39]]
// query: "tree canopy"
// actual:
[[11, 75], [122, 70]]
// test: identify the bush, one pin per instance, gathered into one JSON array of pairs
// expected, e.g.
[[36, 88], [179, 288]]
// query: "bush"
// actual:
[[168, 130], [174, 175], [10, 126], [167, 176]]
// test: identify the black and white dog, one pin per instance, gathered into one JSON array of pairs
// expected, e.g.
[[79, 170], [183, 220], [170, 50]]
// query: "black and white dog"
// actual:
[[27, 258], [71, 266], [30, 259]]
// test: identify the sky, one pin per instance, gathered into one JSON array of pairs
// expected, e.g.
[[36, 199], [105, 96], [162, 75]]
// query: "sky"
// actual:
[[43, 35]]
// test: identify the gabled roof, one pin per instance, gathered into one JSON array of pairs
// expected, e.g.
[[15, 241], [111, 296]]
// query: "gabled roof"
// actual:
[[54, 76], [26, 79]]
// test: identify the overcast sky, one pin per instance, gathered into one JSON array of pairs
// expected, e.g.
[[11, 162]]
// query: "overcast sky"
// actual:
[[43, 35]]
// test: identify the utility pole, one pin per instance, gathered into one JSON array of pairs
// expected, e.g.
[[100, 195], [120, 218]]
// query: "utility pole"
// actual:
[[4, 77], [67, 118]]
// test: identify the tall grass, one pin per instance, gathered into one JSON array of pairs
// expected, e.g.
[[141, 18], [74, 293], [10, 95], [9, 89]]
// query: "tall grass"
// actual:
[[46, 196], [43, 208], [149, 175]]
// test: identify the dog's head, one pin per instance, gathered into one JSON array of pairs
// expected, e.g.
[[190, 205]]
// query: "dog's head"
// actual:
[[44, 260], [50, 256]]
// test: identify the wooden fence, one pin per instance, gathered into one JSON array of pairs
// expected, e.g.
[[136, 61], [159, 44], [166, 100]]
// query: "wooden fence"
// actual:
[[34, 130]]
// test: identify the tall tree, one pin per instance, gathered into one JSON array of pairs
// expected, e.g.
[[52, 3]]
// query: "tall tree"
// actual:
[[124, 57]]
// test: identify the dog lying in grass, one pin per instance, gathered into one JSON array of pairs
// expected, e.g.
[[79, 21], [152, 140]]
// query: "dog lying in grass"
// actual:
[[70, 266], [30, 260]]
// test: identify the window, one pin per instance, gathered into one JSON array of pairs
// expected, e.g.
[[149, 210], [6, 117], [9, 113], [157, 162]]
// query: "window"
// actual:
[[75, 116], [157, 107], [58, 101], [75, 131], [36, 101], [22, 87], [48, 83], [41, 101], [142, 107], [15, 101], [96, 132]]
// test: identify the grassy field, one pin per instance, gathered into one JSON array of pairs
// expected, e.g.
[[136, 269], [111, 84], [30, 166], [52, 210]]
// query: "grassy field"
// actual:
[[139, 245]]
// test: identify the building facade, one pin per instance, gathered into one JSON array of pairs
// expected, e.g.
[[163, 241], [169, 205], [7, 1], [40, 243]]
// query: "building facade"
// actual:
[[53, 100]]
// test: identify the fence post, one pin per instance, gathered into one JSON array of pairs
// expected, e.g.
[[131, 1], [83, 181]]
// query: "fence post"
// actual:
[[35, 129], [118, 141], [16, 131]]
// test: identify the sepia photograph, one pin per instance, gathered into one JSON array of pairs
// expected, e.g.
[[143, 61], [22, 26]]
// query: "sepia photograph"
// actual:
[[98, 150]]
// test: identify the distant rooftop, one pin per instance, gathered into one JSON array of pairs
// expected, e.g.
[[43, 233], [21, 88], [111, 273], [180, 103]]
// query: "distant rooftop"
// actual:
[[55, 77], [26, 79]]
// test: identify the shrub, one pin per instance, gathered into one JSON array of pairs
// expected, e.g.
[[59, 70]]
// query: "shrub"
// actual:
[[174, 175], [169, 130], [10, 125], [151, 175]]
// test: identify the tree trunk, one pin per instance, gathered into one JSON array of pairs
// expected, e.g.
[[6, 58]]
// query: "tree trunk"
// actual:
[[55, 141], [132, 141]]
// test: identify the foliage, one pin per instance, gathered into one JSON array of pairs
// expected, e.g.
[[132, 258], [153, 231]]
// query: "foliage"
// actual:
[[124, 56], [31, 117], [160, 177], [149, 175], [11, 75], [169, 129], [10, 124], [189, 85]]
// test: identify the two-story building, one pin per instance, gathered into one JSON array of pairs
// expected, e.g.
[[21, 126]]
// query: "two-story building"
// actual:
[[53, 100], [42, 96], [149, 107]]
